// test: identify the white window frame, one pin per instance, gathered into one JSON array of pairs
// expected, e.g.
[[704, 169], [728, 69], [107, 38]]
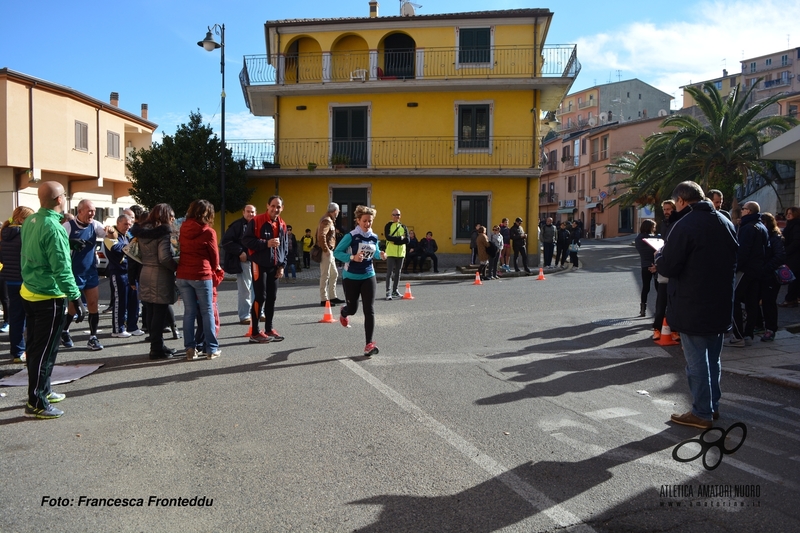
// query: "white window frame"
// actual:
[[490, 64], [490, 103]]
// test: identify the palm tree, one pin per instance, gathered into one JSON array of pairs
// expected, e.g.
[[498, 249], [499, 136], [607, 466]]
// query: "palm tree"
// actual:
[[717, 152]]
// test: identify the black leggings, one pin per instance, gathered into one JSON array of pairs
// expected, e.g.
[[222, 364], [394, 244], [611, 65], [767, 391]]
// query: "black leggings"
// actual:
[[365, 288], [647, 276]]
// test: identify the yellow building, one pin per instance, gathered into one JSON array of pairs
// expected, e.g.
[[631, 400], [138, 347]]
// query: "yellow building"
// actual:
[[49, 132], [436, 115]]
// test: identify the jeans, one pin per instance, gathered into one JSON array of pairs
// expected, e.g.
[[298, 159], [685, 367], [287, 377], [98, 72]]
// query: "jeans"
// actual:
[[548, 248], [244, 284], [124, 304], [16, 320], [523, 251], [703, 371], [197, 298]]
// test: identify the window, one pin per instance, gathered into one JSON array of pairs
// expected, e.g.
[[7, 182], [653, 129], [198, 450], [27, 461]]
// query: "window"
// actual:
[[583, 146], [629, 95], [571, 185], [474, 45], [733, 82], [569, 106], [349, 136], [565, 154], [552, 160], [784, 60], [473, 126], [594, 179], [81, 136], [640, 96], [768, 62], [753, 66], [604, 147], [718, 85], [112, 142], [470, 210], [595, 150]]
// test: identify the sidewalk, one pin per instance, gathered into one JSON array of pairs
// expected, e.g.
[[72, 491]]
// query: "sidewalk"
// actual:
[[776, 362]]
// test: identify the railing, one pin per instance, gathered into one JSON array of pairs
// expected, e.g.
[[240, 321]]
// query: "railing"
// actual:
[[769, 84], [548, 198], [384, 153], [427, 63], [588, 103]]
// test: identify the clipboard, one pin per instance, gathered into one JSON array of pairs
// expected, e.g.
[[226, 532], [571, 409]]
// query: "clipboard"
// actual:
[[654, 243]]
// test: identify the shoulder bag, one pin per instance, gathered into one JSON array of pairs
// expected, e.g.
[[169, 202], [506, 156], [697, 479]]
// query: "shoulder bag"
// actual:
[[132, 250]]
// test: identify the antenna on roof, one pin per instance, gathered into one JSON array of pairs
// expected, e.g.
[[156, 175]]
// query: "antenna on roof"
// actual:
[[407, 8]]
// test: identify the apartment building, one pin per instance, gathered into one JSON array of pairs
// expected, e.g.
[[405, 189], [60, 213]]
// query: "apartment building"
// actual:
[[574, 184], [620, 101], [436, 115], [49, 132]]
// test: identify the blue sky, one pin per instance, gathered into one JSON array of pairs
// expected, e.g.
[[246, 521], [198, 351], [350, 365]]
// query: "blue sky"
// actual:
[[146, 50]]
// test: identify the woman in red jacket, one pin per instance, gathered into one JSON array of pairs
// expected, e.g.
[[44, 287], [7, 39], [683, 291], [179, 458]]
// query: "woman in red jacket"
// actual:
[[199, 259]]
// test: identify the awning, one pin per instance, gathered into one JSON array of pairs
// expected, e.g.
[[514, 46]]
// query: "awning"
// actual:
[[567, 210], [592, 205]]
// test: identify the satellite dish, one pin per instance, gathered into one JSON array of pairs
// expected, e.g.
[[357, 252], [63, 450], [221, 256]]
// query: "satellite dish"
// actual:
[[603, 116], [407, 10], [662, 112], [592, 121]]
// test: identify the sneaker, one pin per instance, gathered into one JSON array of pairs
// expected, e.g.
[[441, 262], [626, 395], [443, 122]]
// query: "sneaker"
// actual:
[[21, 359], [768, 336], [344, 320], [66, 339], [396, 294], [656, 334], [245, 321], [260, 338], [55, 397], [107, 310], [121, 335], [216, 353], [4, 328], [370, 350], [675, 336], [94, 344], [136, 333], [689, 419], [738, 343], [192, 355], [274, 336], [50, 412], [335, 301], [388, 295]]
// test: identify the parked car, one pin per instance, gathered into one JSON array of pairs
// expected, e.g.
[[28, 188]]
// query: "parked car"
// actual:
[[102, 260]]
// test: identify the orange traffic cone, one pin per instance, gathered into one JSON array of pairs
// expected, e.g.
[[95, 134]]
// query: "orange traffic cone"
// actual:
[[477, 279], [407, 295], [541, 275], [666, 336], [327, 318]]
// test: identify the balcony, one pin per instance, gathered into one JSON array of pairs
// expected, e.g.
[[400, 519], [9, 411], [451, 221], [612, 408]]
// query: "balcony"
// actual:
[[390, 153], [431, 69], [548, 198], [588, 103], [771, 84]]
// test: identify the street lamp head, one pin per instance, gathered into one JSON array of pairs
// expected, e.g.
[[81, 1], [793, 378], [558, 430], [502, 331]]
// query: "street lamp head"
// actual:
[[209, 44]]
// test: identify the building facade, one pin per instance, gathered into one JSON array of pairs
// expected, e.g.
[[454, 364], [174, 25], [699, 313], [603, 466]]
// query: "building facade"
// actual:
[[49, 132], [574, 184], [436, 115]]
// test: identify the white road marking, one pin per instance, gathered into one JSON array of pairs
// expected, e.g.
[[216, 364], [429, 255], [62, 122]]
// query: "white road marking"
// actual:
[[612, 412], [537, 499]]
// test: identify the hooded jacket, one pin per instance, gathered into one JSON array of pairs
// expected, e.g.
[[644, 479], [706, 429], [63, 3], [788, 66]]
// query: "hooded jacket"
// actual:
[[753, 242], [157, 274], [233, 247], [10, 247]]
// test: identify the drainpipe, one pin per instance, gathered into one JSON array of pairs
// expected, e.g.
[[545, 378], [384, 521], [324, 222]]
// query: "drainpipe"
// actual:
[[98, 141]]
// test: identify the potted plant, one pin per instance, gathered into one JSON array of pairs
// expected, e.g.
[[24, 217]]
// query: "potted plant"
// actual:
[[312, 165], [339, 161]]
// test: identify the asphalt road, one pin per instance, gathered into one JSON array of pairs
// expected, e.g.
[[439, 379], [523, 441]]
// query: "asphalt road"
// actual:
[[518, 405]]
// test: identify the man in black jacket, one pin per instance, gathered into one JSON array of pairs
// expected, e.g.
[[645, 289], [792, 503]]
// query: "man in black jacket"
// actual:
[[519, 242], [699, 258], [753, 243], [236, 261]]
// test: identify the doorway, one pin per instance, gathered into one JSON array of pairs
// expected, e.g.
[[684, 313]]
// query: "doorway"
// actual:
[[349, 145], [348, 198], [398, 57]]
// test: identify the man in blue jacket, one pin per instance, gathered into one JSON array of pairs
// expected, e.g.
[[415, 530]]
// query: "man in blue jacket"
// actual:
[[699, 258]]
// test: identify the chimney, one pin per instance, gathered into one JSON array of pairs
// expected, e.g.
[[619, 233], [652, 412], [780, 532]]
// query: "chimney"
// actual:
[[724, 73], [144, 111], [115, 99], [373, 9]]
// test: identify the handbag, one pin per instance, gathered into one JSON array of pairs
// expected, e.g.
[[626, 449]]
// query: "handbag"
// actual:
[[491, 249], [574, 247], [784, 274], [132, 250], [316, 253]]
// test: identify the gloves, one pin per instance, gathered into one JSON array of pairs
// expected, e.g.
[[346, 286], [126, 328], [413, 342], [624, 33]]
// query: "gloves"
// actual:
[[80, 311], [78, 245]]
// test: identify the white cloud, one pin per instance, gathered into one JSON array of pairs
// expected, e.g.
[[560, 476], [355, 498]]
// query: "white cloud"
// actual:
[[673, 54]]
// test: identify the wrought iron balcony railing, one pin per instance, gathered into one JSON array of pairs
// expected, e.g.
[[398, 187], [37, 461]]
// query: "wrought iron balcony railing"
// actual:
[[387, 153], [419, 63], [548, 198]]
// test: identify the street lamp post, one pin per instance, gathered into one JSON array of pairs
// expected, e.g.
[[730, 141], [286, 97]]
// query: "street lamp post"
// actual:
[[209, 44]]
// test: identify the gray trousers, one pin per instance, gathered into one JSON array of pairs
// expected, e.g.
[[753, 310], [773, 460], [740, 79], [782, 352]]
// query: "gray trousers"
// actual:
[[393, 267]]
